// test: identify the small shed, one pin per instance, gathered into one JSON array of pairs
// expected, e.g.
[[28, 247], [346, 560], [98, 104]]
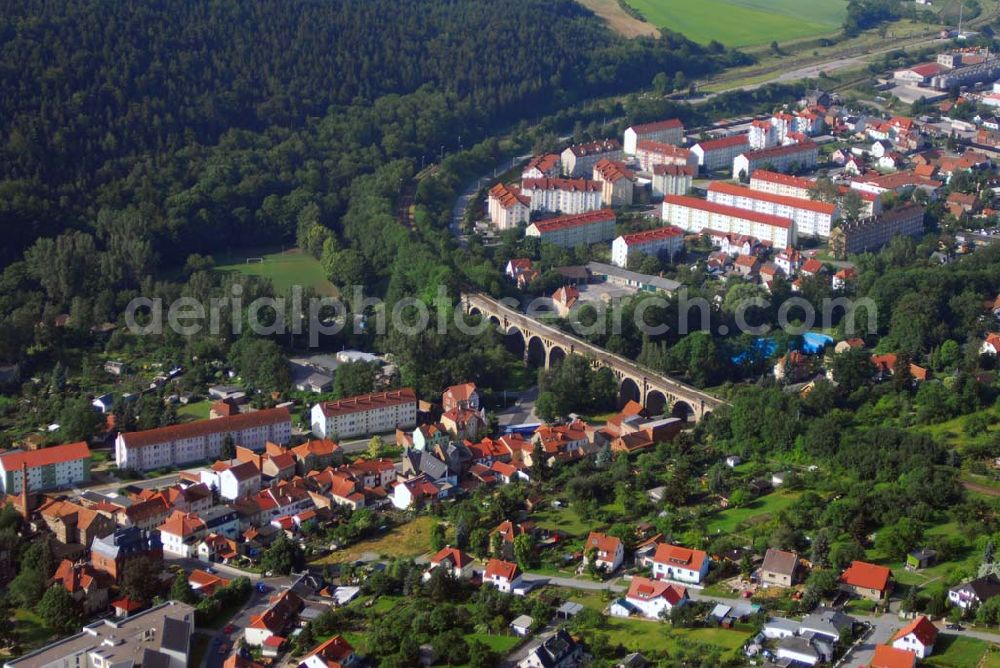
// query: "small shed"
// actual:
[[521, 626]]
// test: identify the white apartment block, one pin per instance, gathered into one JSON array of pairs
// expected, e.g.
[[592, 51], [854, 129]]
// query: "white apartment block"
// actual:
[[672, 180], [762, 135], [670, 131], [48, 468], [650, 153], [777, 183], [617, 182], [579, 160], [570, 231], [201, 440], [365, 414], [695, 215], [568, 196], [719, 153], [779, 158], [508, 208], [663, 241], [812, 217], [542, 166]]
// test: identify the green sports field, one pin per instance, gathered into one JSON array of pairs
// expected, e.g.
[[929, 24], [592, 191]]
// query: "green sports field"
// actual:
[[285, 269], [745, 22]]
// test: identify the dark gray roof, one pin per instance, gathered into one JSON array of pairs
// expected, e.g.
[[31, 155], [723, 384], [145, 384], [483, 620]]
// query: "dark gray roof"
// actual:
[[176, 635], [432, 466], [153, 659]]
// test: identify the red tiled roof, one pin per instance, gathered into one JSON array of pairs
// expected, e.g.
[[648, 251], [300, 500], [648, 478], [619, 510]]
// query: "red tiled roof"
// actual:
[[656, 126], [603, 543], [464, 391], [812, 266], [674, 170], [660, 148], [922, 629], [652, 235], [612, 170], [366, 402], [926, 69], [508, 195], [781, 151], [458, 558], [603, 146], [500, 568], [674, 555], [783, 179], [866, 576], [317, 446], [57, 454], [723, 142], [726, 210], [887, 656], [645, 589], [334, 651], [182, 524], [562, 222], [269, 416], [543, 163], [782, 200]]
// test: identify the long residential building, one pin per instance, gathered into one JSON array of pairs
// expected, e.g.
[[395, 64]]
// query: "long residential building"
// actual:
[[156, 638], [616, 181], [812, 217], [651, 153], [672, 180], [365, 414], [694, 215], [670, 131], [508, 208], [665, 241], [781, 184], [569, 231], [870, 234], [779, 158], [580, 159], [719, 153], [48, 468], [569, 196], [201, 440]]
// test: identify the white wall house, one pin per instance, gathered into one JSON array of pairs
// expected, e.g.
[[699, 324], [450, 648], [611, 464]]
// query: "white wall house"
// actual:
[[652, 598], [507, 207], [365, 414], [48, 468], [567, 196], [672, 562], [694, 215], [778, 158], [719, 153], [504, 575], [672, 180], [570, 231], [664, 241], [918, 637]]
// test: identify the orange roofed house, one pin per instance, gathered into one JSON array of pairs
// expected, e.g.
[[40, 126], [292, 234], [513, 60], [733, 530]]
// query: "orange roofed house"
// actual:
[[672, 562], [275, 620], [867, 580], [85, 584], [365, 414], [73, 523], [887, 656], [334, 653], [608, 551]]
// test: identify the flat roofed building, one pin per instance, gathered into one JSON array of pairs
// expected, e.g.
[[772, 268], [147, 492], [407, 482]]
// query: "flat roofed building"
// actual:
[[48, 468], [569, 231], [365, 414], [159, 637], [694, 215], [201, 440], [812, 217]]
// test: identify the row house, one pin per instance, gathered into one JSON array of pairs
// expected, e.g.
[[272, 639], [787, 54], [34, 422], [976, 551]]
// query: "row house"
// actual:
[[567, 442], [340, 487], [695, 215], [670, 131], [189, 498], [462, 423], [316, 454], [650, 153], [284, 499], [275, 621], [715, 154], [508, 207], [663, 242], [897, 183], [672, 180], [181, 533], [580, 159], [812, 217], [570, 231], [200, 440], [778, 158], [372, 472], [365, 414], [416, 491], [617, 182], [566, 196]]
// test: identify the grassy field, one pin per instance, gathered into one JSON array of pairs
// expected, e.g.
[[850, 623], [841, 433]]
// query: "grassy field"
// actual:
[[563, 519], [618, 19], [408, 540], [959, 652], [499, 644], [759, 510], [284, 269], [745, 22], [196, 411], [30, 631]]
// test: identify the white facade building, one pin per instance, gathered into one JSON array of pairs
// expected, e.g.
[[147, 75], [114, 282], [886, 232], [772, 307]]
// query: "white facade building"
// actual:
[[579, 160], [779, 158], [719, 153], [507, 207], [672, 562], [650, 153], [812, 217], [695, 215], [48, 468], [365, 414], [672, 180], [570, 231], [201, 440], [670, 131], [568, 196], [781, 184], [663, 241]]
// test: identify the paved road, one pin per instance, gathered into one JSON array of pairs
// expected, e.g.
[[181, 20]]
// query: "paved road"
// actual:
[[523, 410]]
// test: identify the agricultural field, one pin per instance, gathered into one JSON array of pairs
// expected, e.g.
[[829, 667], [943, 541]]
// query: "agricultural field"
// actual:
[[746, 22], [283, 268]]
